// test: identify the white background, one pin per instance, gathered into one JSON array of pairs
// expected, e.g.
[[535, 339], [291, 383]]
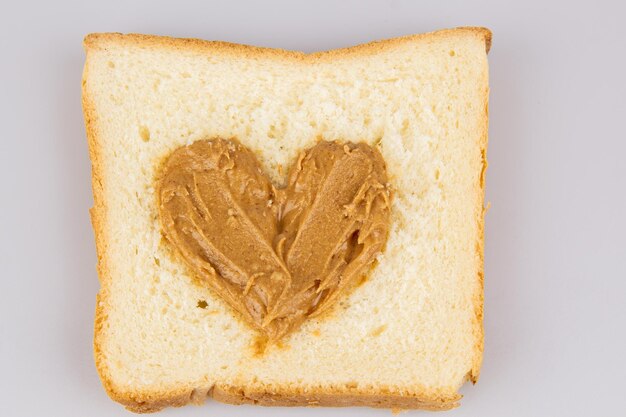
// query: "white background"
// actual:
[[555, 286]]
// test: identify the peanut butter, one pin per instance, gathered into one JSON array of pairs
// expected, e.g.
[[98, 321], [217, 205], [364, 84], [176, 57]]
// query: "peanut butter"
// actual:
[[276, 255]]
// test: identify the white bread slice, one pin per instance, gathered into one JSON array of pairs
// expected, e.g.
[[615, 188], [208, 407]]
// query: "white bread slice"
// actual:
[[410, 335]]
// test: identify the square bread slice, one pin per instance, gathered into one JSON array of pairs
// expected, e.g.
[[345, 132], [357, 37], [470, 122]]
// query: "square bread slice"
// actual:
[[410, 335]]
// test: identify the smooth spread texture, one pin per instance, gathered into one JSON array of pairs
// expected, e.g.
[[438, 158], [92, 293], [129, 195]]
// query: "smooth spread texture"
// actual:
[[277, 256]]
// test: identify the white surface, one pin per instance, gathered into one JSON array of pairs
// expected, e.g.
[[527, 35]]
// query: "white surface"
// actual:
[[555, 287]]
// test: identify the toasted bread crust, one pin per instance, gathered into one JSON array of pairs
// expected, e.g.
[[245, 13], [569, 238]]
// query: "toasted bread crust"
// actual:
[[95, 41], [141, 402], [480, 246], [153, 402]]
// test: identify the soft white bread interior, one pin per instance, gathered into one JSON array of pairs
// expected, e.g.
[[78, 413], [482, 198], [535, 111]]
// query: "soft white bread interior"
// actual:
[[410, 335]]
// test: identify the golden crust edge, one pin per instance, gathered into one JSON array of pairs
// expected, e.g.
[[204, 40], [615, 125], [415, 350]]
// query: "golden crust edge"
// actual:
[[139, 402], [145, 403], [98, 216], [94, 41], [479, 298]]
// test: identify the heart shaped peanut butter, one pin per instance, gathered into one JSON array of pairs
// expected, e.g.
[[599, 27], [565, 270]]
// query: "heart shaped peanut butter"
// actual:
[[276, 255]]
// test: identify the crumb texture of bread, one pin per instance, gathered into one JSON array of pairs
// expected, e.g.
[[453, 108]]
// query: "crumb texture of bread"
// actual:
[[410, 335]]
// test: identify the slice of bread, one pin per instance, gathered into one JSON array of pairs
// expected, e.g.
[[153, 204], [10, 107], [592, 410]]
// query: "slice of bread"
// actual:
[[407, 337]]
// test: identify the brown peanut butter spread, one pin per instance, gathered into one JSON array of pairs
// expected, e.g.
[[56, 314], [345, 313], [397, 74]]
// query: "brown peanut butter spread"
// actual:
[[276, 255]]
